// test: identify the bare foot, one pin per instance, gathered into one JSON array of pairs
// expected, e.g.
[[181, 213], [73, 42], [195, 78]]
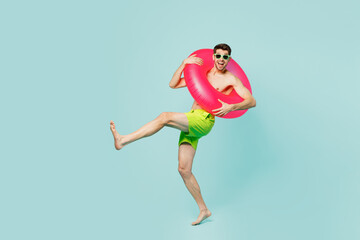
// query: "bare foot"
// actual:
[[117, 137], [205, 213]]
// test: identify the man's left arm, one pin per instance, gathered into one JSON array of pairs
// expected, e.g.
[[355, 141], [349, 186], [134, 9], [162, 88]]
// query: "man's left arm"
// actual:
[[242, 91]]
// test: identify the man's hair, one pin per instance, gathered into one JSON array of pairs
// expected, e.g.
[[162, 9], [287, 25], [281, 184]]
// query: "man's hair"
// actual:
[[223, 46]]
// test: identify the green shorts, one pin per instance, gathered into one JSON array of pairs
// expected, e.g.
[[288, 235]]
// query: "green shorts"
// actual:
[[200, 124]]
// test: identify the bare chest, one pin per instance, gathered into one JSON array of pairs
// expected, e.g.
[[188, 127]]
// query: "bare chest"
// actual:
[[220, 83]]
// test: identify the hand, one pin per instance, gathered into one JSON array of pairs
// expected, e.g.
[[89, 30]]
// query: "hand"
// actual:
[[225, 109], [193, 60]]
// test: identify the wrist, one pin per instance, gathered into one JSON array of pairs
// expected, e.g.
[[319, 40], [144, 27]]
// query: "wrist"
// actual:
[[233, 107]]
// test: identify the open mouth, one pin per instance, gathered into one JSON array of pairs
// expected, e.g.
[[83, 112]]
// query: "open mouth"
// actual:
[[221, 64]]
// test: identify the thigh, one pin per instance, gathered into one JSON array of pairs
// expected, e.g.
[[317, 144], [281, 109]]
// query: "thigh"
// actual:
[[178, 121], [186, 156]]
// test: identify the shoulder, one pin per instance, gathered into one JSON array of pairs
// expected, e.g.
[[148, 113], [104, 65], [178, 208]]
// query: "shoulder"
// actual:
[[233, 80]]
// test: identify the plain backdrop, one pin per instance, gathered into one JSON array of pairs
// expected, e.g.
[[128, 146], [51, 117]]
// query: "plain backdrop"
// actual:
[[287, 169]]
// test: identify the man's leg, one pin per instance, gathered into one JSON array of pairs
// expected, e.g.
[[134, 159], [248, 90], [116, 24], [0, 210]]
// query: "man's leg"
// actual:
[[186, 157], [169, 119]]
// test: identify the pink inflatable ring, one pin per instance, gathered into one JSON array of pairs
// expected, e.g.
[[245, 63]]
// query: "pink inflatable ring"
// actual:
[[204, 93]]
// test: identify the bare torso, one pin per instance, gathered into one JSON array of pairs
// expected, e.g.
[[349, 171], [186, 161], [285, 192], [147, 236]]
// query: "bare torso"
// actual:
[[220, 82]]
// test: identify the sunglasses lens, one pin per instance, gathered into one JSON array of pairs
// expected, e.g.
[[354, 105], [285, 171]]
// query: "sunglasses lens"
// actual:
[[218, 56], [226, 57]]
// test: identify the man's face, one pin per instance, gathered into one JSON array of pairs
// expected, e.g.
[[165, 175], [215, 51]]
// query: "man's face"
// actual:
[[221, 63]]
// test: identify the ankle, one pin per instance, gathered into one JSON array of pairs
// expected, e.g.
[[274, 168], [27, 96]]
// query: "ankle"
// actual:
[[124, 140]]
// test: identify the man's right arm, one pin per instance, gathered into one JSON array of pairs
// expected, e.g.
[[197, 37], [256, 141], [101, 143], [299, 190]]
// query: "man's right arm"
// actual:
[[177, 81]]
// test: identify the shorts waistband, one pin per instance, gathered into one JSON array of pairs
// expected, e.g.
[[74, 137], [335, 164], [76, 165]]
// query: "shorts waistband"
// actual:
[[204, 112]]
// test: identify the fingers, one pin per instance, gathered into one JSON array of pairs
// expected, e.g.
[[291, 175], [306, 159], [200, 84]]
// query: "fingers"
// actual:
[[194, 60], [192, 56], [220, 114], [198, 61]]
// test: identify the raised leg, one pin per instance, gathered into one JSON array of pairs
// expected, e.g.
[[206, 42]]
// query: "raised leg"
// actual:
[[169, 119], [186, 157]]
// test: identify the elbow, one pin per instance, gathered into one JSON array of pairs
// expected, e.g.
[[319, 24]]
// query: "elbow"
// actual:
[[171, 86], [253, 103]]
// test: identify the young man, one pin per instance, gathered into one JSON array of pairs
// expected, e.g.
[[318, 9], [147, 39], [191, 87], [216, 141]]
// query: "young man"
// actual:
[[196, 123]]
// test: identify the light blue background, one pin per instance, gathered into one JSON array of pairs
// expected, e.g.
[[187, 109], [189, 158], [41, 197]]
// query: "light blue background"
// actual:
[[288, 169]]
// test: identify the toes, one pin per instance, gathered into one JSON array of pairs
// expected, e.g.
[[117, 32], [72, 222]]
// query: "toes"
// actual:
[[112, 125], [196, 222]]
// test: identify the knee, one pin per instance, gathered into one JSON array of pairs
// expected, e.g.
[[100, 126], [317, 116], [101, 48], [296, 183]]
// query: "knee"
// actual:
[[184, 172], [164, 117]]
